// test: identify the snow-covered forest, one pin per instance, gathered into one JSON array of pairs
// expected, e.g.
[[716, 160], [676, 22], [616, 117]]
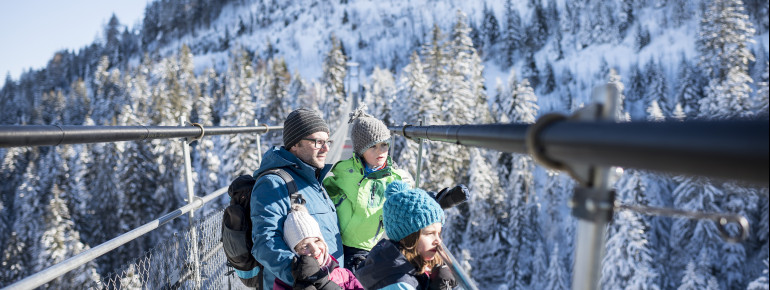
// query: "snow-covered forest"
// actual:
[[228, 63]]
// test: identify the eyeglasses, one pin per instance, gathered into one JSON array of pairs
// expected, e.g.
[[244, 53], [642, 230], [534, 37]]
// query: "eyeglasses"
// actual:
[[318, 143]]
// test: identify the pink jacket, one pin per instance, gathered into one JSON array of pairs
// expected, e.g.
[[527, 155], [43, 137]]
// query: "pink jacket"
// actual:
[[339, 275]]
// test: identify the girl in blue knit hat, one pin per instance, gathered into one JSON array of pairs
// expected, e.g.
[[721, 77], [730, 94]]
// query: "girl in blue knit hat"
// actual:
[[409, 258]]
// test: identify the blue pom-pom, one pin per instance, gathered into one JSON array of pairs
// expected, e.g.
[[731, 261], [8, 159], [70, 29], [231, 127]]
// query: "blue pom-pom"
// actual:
[[396, 187]]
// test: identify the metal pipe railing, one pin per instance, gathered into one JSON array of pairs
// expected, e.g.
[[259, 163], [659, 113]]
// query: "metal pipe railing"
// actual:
[[42, 135], [723, 149], [78, 260]]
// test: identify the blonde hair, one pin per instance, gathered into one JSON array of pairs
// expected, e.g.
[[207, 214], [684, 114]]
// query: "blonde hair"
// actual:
[[409, 250]]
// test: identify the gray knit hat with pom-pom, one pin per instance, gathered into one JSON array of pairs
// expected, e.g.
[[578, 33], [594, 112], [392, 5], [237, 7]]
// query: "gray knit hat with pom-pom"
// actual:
[[366, 130]]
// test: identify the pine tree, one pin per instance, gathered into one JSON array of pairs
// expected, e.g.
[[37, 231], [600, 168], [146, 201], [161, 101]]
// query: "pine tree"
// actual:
[[641, 38], [300, 91], [555, 278], [725, 33], [277, 104], [689, 92], [549, 80], [206, 161], [761, 107], [520, 104], [687, 236], [435, 56], [485, 212], [657, 87], [491, 28], [240, 150], [468, 98], [537, 31], [691, 279], [539, 268], [530, 72], [628, 262], [761, 282], [654, 113], [380, 93], [512, 34], [415, 101], [333, 79]]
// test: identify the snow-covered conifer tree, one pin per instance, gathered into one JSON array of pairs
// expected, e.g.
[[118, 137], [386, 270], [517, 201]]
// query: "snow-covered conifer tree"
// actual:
[[512, 34], [240, 150], [277, 104], [555, 277], [657, 87], [761, 282], [482, 229], [206, 160], [468, 99], [689, 236], [761, 107], [380, 93], [725, 33], [435, 59], [414, 102], [629, 259], [688, 90], [333, 78], [654, 113]]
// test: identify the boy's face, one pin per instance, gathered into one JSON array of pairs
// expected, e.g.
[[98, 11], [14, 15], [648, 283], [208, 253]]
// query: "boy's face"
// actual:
[[430, 238], [314, 247], [377, 155]]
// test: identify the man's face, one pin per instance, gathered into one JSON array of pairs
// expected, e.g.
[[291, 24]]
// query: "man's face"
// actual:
[[305, 149]]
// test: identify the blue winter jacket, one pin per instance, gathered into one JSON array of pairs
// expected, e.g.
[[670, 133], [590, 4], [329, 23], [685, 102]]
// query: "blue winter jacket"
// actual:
[[270, 205]]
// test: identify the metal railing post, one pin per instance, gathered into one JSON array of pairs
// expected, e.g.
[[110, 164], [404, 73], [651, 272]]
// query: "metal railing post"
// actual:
[[592, 205], [419, 158], [191, 215], [259, 143]]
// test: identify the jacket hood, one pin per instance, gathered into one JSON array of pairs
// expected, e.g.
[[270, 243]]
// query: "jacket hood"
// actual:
[[384, 266], [278, 157]]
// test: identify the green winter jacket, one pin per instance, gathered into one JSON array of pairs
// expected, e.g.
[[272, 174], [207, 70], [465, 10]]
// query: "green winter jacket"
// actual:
[[359, 200]]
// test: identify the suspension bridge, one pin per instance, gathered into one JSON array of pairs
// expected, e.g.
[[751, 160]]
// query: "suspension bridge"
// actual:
[[585, 144]]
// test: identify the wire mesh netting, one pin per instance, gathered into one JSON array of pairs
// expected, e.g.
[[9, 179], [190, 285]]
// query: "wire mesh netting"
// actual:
[[171, 264]]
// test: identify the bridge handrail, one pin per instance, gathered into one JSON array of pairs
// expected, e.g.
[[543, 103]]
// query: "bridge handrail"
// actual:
[[730, 149], [41, 135], [72, 263]]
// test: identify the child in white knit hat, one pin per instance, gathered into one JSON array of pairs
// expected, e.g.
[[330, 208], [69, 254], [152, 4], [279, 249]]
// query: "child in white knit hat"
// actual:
[[313, 268]]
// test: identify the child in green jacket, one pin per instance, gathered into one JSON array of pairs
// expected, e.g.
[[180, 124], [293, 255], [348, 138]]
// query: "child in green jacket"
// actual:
[[358, 185]]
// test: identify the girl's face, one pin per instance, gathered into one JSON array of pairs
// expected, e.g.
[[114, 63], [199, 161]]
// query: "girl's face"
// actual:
[[428, 243], [314, 247], [377, 155]]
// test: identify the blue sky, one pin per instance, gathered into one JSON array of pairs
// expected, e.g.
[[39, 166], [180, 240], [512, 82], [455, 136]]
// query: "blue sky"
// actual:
[[32, 30]]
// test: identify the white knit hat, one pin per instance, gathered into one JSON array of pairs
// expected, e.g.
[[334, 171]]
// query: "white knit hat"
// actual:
[[299, 225]]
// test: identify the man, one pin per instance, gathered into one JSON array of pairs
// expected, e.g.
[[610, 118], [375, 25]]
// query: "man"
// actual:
[[306, 142]]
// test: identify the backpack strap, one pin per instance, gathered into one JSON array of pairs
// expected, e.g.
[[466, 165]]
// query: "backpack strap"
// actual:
[[291, 185]]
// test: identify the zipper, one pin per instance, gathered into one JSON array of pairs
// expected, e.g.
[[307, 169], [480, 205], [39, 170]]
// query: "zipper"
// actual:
[[326, 196], [344, 197], [379, 227]]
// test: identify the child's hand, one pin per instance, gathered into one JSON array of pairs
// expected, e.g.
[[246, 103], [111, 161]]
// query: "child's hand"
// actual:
[[303, 269], [308, 275], [441, 278]]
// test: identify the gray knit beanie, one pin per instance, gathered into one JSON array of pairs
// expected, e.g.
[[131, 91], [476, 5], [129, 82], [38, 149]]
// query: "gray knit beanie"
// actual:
[[300, 123], [366, 130]]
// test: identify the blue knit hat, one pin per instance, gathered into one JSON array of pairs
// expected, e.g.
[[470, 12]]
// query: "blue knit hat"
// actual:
[[408, 210]]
